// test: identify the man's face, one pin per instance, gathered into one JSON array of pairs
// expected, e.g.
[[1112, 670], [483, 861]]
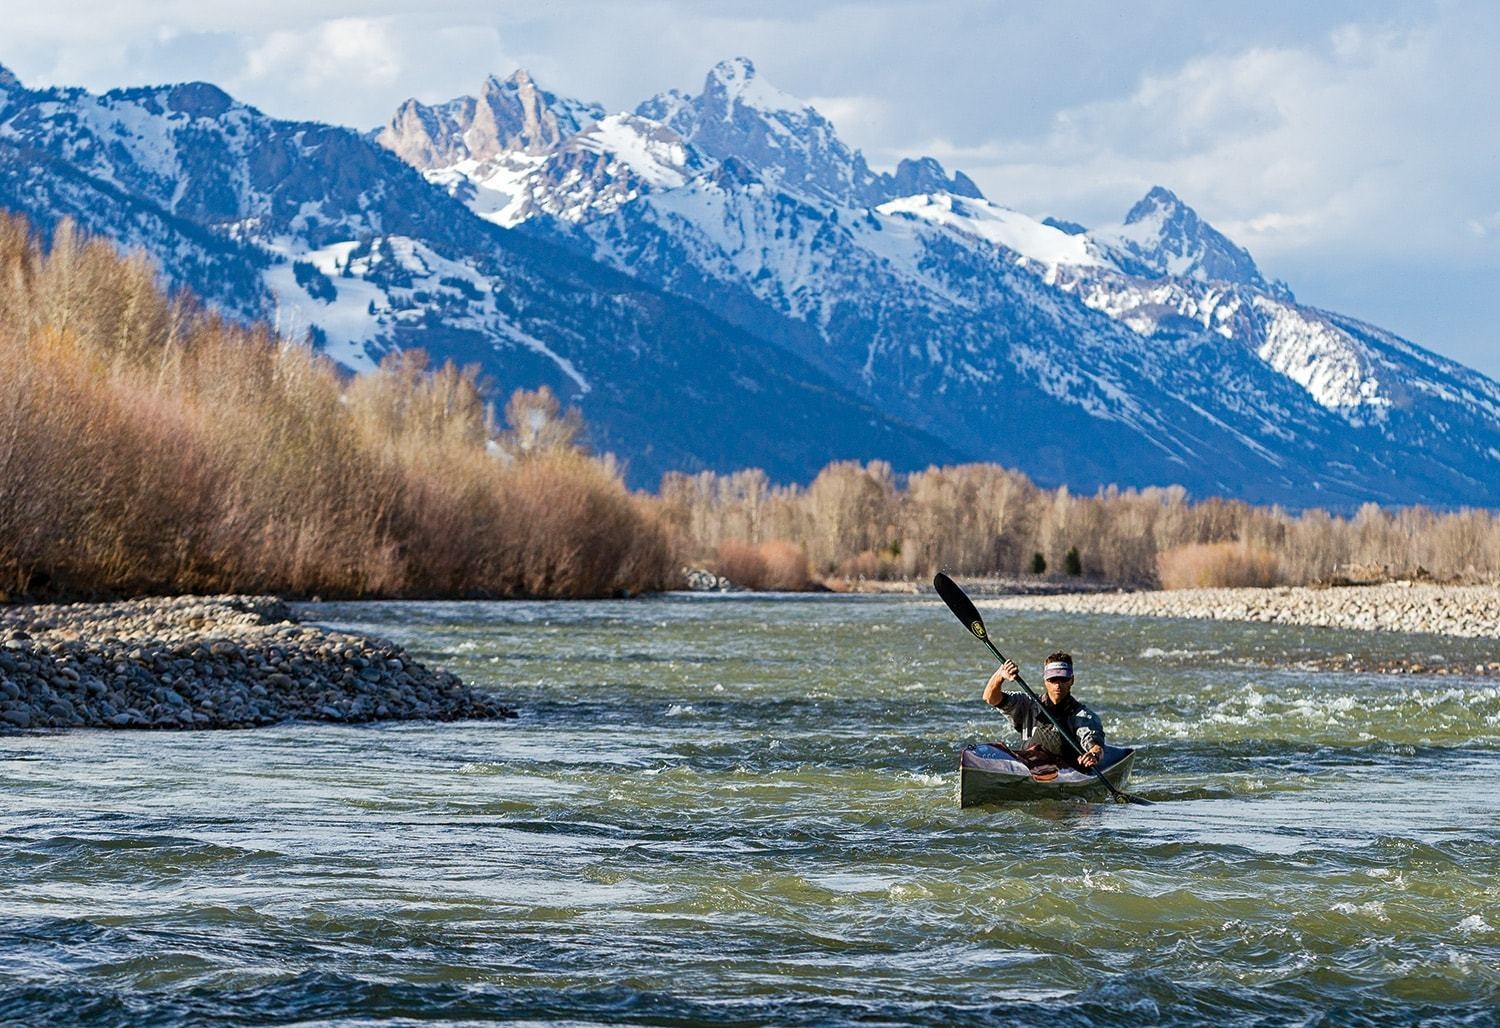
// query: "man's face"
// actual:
[[1057, 688]]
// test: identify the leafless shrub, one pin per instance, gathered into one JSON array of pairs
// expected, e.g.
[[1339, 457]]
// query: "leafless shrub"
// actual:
[[742, 564], [786, 565], [148, 446], [1204, 565]]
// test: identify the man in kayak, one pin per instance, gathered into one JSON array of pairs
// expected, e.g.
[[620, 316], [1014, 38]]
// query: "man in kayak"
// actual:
[[1039, 740]]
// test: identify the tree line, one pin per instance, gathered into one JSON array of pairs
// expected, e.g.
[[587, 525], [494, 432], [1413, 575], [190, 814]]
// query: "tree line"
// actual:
[[863, 521]]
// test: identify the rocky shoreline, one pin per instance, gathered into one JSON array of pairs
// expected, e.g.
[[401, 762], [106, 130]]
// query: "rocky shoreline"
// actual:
[[1465, 611], [209, 662]]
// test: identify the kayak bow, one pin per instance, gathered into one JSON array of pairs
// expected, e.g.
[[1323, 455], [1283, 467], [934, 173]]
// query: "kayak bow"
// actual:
[[991, 773]]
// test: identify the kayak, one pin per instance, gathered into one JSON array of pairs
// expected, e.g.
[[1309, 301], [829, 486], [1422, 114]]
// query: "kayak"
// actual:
[[991, 773]]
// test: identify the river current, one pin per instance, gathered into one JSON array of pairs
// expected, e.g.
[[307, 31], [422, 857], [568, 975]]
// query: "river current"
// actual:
[[743, 809]]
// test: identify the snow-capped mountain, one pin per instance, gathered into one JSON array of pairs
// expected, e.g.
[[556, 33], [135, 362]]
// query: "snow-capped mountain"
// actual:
[[719, 281], [1149, 351], [786, 143], [1162, 237], [327, 233]]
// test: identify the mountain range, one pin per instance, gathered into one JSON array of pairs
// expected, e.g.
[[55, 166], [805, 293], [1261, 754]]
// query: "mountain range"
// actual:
[[717, 280]]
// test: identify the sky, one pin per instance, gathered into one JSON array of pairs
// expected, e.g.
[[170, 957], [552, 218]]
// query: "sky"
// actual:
[[1353, 148]]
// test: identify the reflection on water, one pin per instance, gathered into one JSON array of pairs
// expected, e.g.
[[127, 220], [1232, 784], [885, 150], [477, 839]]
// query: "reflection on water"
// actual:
[[743, 808]]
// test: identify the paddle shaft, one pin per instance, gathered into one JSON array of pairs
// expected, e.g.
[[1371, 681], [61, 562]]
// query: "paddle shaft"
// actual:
[[963, 608]]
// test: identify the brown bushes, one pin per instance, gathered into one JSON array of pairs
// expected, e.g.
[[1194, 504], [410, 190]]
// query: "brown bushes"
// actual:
[[1202, 565], [774, 564], [147, 446]]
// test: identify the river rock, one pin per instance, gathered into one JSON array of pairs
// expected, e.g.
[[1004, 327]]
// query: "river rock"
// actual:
[[209, 662]]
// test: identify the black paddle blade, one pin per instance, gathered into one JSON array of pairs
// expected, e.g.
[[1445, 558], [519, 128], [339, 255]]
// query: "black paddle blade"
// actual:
[[958, 601]]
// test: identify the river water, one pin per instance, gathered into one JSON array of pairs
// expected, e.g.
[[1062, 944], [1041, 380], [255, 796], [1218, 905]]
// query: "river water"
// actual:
[[743, 810]]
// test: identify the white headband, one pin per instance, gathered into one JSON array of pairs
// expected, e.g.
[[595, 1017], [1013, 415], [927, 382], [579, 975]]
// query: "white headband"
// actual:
[[1057, 669]]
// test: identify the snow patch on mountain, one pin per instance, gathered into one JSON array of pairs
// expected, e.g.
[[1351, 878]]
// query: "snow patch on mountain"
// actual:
[[359, 292], [349, 320], [1338, 372], [1030, 239], [649, 149], [514, 333], [498, 190], [610, 162]]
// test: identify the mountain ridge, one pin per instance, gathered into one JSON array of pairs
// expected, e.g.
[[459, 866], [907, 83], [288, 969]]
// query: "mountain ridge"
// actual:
[[713, 301]]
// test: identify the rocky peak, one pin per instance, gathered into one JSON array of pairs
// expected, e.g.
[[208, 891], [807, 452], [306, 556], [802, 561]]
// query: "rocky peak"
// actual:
[[786, 143], [198, 100], [782, 140], [523, 116], [735, 83], [510, 115], [8, 80], [1161, 235], [926, 175]]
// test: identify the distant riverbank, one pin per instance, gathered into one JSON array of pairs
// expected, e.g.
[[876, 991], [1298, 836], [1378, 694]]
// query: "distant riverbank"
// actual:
[[1467, 611], [208, 662]]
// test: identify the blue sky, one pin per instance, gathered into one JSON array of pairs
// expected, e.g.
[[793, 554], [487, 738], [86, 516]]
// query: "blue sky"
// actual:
[[1351, 147]]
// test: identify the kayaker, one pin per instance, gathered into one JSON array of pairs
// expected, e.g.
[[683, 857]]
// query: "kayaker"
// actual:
[[1040, 741]]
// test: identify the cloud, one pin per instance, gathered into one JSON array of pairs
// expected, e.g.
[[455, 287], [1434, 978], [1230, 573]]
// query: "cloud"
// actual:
[[855, 116], [347, 51], [1359, 139], [1484, 227]]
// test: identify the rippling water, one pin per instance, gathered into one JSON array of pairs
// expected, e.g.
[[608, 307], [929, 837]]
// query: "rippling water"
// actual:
[[743, 809]]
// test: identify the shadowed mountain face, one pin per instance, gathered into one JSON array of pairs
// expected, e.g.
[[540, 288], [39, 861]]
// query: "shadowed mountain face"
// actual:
[[323, 231], [718, 281]]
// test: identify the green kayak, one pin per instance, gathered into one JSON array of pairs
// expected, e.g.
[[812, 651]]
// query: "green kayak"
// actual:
[[991, 773]]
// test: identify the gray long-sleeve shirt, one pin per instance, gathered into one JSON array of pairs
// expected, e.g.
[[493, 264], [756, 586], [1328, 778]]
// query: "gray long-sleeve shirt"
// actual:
[[1026, 715]]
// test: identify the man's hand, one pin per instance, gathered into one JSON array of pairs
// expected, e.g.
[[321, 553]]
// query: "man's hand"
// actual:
[[1090, 758], [1009, 672]]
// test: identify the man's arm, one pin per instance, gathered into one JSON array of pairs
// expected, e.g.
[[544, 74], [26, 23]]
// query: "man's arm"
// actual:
[[994, 695]]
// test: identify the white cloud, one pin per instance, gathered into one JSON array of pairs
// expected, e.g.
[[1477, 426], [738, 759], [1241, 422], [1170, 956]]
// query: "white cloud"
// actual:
[[1360, 139], [348, 51], [1483, 227]]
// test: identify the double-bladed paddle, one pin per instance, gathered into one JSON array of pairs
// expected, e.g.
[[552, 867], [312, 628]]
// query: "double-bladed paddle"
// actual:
[[963, 608]]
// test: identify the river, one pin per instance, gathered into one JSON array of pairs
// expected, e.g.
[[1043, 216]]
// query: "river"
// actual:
[[742, 809]]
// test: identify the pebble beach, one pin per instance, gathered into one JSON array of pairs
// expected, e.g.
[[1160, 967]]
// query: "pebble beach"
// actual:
[[1454, 611], [209, 662], [1469, 611]]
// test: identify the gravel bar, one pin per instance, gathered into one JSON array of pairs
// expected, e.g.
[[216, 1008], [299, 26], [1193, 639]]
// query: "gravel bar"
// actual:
[[1469, 611], [209, 662]]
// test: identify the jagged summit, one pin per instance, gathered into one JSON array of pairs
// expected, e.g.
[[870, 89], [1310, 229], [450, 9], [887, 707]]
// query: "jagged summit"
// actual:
[[514, 82], [1161, 235], [735, 81], [512, 114], [9, 80], [786, 142], [926, 175]]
